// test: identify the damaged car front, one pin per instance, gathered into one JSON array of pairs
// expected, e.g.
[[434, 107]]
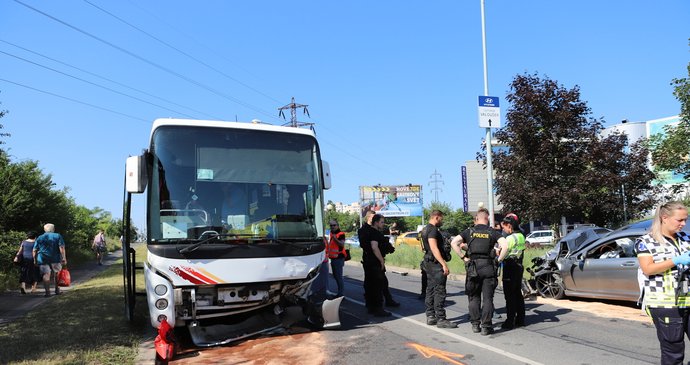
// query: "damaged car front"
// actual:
[[546, 271]]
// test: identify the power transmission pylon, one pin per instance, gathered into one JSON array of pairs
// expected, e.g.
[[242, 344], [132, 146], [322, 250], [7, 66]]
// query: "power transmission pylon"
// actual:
[[436, 181], [293, 114]]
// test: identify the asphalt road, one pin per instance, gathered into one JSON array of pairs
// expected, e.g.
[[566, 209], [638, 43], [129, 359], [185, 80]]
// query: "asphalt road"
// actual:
[[557, 332]]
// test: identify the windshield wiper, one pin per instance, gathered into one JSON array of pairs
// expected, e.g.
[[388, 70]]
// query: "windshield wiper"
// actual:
[[196, 245], [293, 244], [218, 237]]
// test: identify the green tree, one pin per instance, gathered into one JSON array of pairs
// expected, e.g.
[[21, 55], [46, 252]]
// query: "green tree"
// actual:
[[454, 221], [348, 222], [2, 134], [671, 151], [557, 164], [25, 196]]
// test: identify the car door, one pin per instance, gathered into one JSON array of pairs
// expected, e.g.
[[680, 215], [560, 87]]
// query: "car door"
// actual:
[[411, 239], [607, 269]]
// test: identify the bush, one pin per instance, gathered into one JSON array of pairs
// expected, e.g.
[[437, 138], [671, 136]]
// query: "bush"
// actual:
[[9, 245]]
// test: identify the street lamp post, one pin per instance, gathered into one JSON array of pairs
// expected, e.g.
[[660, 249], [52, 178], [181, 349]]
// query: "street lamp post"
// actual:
[[489, 165]]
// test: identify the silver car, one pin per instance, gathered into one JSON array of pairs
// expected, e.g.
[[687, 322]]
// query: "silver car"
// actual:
[[604, 268]]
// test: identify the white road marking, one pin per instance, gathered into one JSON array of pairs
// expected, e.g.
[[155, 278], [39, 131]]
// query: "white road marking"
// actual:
[[458, 337]]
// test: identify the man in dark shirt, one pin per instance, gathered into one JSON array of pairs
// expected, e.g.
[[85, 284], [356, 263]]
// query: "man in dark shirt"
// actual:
[[372, 240], [481, 269], [437, 272]]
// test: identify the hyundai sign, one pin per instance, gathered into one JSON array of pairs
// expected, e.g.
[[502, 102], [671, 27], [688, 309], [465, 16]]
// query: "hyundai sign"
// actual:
[[489, 112]]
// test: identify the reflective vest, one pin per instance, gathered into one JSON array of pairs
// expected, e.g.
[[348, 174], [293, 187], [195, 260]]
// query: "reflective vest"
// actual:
[[333, 250], [516, 245], [661, 290]]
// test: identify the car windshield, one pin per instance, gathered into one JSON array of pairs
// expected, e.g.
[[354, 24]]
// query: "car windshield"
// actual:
[[247, 183]]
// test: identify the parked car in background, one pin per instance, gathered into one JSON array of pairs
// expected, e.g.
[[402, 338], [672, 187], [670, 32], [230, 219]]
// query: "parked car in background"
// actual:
[[353, 241], [539, 238], [408, 238], [593, 263]]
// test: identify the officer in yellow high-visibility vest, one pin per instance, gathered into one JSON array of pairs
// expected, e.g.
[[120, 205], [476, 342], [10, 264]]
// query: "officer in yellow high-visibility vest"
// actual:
[[512, 273]]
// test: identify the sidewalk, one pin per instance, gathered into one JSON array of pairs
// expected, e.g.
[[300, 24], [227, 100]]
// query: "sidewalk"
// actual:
[[14, 305]]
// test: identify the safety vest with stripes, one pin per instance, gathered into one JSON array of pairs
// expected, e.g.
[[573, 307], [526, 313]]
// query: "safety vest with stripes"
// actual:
[[516, 245], [333, 249]]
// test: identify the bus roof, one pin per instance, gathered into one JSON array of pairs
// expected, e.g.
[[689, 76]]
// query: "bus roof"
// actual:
[[233, 125]]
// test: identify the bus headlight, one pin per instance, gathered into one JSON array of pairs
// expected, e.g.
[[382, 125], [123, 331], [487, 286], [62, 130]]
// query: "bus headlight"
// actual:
[[161, 304], [160, 289]]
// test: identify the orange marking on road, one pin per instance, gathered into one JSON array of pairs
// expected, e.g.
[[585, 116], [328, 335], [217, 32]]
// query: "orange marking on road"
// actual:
[[429, 352]]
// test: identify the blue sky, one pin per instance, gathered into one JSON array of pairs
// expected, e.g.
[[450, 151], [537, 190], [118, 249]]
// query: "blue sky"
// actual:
[[392, 86]]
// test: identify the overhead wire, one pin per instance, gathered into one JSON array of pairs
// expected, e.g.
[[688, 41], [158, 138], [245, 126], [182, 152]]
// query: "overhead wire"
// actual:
[[186, 54], [74, 100], [109, 80], [154, 64], [179, 50], [95, 84], [249, 106], [211, 50]]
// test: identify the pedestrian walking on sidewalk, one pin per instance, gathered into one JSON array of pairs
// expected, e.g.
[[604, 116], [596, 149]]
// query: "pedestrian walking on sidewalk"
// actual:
[[99, 246], [29, 272], [49, 255]]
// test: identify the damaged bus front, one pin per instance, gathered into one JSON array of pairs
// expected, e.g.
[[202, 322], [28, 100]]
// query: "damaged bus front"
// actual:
[[235, 233]]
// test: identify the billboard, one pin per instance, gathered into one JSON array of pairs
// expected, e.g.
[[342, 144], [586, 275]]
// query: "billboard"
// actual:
[[657, 127], [392, 200]]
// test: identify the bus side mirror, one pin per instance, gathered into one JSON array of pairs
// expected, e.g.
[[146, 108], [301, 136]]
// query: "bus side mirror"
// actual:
[[326, 169], [135, 174]]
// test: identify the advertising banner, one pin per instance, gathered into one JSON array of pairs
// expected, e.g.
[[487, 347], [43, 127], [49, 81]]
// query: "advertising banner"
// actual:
[[657, 127], [392, 200]]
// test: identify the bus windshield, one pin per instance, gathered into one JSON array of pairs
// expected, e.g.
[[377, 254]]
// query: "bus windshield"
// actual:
[[251, 183]]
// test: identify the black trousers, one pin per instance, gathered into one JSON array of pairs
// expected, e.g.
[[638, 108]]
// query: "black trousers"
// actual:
[[512, 289], [435, 290], [373, 286], [386, 290], [481, 288], [424, 279], [671, 329]]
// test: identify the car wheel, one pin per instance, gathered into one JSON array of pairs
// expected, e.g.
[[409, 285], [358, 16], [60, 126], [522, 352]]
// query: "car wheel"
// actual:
[[550, 285]]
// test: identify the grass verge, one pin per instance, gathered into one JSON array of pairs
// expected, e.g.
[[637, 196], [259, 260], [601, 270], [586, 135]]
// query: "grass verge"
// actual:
[[86, 325], [410, 257]]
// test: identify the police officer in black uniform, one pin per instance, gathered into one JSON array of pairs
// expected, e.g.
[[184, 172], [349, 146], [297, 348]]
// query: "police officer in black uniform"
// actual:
[[436, 268], [372, 242], [481, 269]]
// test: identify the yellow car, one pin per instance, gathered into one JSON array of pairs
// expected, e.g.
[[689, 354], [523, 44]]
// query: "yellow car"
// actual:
[[408, 238]]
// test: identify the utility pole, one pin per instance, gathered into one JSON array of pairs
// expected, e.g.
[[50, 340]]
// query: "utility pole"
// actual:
[[489, 165], [293, 113], [436, 181]]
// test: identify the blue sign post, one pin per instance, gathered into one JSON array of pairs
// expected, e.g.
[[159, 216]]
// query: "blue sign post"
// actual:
[[489, 112]]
